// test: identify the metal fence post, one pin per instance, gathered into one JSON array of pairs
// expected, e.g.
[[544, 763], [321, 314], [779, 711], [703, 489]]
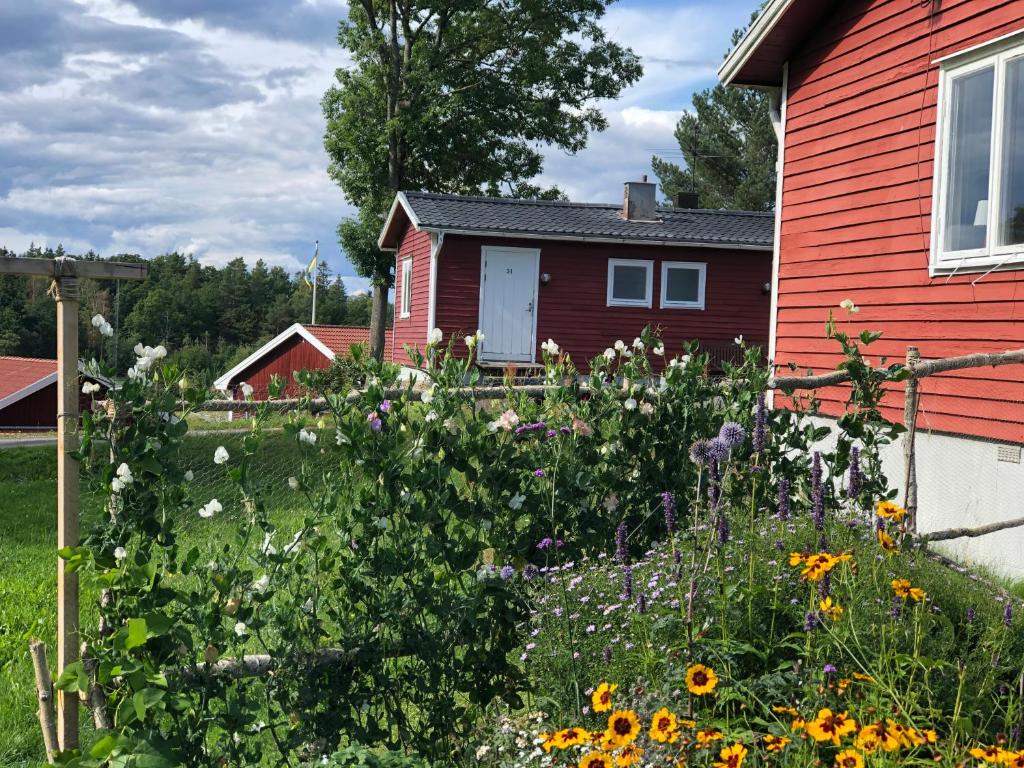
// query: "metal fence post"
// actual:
[[910, 422]]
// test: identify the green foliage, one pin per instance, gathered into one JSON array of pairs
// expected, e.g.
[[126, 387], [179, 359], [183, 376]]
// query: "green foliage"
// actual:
[[729, 147], [357, 756]]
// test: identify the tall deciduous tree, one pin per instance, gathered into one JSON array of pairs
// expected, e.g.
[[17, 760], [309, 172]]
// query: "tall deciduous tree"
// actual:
[[459, 96], [729, 147]]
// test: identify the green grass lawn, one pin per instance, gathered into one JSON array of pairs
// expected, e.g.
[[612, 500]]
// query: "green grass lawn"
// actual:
[[28, 562]]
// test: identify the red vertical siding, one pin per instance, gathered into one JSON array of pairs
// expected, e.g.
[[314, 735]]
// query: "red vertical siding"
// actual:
[[295, 354], [856, 209], [572, 308], [412, 330]]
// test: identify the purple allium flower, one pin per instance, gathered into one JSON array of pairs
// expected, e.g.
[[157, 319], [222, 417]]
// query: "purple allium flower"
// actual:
[[507, 572], [810, 621], [853, 489], [546, 542], [817, 492], [784, 498], [565, 430], [700, 452], [627, 583], [539, 472], [1008, 612], [607, 654], [718, 449], [641, 603], [722, 528], [374, 420], [668, 504], [732, 434], [714, 491], [829, 669], [760, 439], [621, 549], [551, 433], [385, 406]]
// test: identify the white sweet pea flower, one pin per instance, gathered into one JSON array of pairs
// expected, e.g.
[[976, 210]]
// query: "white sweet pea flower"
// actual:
[[293, 483], [739, 340], [117, 485], [220, 456], [470, 341], [90, 388], [629, 404], [98, 320], [516, 502], [261, 584], [646, 408], [609, 354], [211, 508], [106, 330], [431, 416], [241, 629], [189, 476], [659, 350], [124, 473], [268, 548], [139, 350], [309, 438], [120, 553], [849, 306], [246, 390], [159, 351], [436, 336], [479, 335], [427, 395], [638, 344], [620, 345], [550, 347]]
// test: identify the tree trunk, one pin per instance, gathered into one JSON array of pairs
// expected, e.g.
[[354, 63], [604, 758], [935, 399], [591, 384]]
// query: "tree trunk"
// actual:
[[378, 320]]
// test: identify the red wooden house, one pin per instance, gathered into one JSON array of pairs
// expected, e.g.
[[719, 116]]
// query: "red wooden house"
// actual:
[[585, 275], [28, 393], [901, 129], [297, 348]]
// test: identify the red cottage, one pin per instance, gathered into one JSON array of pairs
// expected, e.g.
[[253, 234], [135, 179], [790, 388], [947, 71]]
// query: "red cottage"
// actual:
[[297, 348], [28, 393], [523, 271], [901, 126]]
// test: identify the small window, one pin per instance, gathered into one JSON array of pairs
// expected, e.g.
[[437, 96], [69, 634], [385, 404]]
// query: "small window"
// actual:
[[630, 282], [978, 210], [682, 284], [405, 304]]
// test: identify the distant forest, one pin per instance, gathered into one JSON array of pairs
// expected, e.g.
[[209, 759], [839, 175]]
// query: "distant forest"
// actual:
[[209, 318]]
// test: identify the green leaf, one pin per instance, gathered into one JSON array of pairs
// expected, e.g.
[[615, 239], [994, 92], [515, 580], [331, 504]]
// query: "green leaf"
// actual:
[[137, 633], [73, 678]]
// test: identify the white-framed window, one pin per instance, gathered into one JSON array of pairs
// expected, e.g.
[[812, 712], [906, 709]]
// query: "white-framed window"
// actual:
[[630, 282], [682, 284], [405, 303], [978, 205]]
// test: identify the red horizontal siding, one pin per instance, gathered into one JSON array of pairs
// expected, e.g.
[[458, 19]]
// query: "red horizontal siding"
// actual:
[[295, 354], [572, 308], [856, 215], [412, 330]]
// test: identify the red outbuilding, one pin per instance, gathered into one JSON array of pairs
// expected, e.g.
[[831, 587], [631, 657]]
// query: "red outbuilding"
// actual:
[[297, 348], [28, 393], [584, 275], [901, 188]]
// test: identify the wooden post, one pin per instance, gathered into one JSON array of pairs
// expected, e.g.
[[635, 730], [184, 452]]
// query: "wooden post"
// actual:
[[66, 294], [65, 273], [910, 422]]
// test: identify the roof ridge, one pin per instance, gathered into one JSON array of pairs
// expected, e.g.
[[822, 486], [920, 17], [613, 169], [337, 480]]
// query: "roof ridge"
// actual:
[[29, 359], [571, 203]]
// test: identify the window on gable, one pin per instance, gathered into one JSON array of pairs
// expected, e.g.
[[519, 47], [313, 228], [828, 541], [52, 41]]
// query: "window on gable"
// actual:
[[630, 282], [682, 284], [978, 217], [406, 299]]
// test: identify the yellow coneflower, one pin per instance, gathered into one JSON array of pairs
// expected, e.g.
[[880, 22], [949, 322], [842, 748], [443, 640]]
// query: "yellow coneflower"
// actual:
[[547, 740], [570, 737], [903, 589], [631, 754], [886, 542], [664, 726], [700, 679], [601, 698], [830, 726], [833, 610], [849, 758], [687, 724], [863, 678], [596, 760], [775, 744], [623, 727], [890, 511], [1012, 759], [986, 754], [731, 756], [798, 724], [707, 736], [785, 710]]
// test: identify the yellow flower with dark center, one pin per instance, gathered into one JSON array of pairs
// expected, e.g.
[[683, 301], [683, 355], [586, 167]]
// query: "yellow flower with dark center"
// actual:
[[687, 723], [664, 726], [908, 736], [570, 737], [623, 727], [547, 741], [701, 680], [795, 559], [903, 589], [731, 756], [831, 726], [775, 744], [879, 736], [862, 677], [797, 725], [601, 699], [890, 511], [930, 736], [849, 758], [596, 760], [785, 710], [816, 566], [1012, 759], [986, 754], [842, 684], [833, 610], [886, 542], [707, 736], [631, 754]]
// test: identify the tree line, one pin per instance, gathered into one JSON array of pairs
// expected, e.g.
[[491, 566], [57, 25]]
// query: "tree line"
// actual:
[[207, 317]]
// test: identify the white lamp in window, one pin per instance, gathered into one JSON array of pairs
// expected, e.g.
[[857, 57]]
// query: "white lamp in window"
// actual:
[[981, 214]]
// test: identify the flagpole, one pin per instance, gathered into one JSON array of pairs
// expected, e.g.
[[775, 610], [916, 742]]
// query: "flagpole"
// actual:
[[316, 264]]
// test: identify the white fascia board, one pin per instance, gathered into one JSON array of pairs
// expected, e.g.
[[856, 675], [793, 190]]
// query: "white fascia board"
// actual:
[[403, 201], [751, 41], [224, 381]]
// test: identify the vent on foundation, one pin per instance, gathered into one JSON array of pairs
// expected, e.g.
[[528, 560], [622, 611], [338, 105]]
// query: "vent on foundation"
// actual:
[[1009, 453]]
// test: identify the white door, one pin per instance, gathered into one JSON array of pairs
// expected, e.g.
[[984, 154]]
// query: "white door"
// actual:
[[508, 304]]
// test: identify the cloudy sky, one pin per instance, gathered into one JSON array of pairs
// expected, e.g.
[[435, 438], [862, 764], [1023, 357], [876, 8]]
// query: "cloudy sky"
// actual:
[[147, 126]]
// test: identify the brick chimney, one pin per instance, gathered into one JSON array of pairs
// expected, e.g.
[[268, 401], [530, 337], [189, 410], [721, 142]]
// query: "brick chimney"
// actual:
[[638, 203]]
